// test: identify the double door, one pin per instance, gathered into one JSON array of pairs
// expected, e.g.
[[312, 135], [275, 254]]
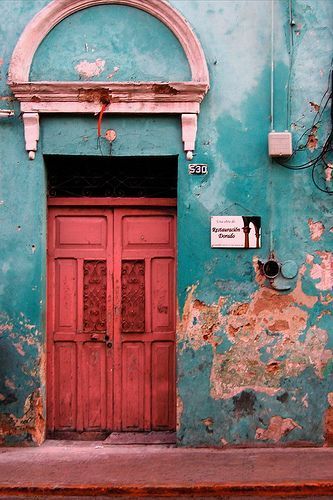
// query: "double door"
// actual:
[[111, 319]]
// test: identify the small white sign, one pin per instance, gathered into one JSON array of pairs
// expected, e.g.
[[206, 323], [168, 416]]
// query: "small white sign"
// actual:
[[234, 231]]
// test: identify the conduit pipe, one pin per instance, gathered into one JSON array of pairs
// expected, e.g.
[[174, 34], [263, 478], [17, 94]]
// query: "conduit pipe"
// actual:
[[272, 65]]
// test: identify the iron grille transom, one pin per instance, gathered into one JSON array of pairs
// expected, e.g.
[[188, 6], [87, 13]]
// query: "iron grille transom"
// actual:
[[96, 176]]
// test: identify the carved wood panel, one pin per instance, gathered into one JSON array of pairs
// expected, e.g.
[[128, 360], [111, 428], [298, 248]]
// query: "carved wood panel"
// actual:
[[94, 296], [133, 296]]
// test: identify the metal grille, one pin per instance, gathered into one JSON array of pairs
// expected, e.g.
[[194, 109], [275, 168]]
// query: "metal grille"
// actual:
[[154, 177]]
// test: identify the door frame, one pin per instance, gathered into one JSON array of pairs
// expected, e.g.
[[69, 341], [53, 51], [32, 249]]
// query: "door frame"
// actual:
[[94, 203]]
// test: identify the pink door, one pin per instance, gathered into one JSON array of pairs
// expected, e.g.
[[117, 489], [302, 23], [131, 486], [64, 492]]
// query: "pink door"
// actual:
[[111, 319]]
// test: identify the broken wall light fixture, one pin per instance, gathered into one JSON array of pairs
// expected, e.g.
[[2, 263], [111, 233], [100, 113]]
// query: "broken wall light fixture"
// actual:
[[6, 113]]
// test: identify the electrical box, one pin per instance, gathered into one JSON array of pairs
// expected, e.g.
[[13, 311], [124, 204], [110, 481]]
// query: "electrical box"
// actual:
[[280, 144]]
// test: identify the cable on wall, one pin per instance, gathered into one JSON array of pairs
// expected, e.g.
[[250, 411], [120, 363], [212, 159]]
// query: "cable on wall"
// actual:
[[320, 161], [272, 66]]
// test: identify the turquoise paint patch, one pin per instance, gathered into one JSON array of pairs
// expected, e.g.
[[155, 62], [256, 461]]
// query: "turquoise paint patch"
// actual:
[[136, 136], [223, 342], [142, 47], [15, 14], [328, 370]]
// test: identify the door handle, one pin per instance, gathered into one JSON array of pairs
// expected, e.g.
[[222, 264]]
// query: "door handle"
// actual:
[[109, 344]]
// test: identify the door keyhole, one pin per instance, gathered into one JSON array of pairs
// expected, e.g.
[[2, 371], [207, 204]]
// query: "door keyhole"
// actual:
[[107, 341]]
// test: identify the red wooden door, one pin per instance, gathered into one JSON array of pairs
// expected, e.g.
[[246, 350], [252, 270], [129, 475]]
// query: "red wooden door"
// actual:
[[111, 319]]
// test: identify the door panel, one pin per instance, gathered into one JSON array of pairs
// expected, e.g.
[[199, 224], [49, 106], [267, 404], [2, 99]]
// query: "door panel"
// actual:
[[133, 386], [163, 387], [94, 385], [111, 319], [65, 385], [78, 232], [163, 291], [139, 231], [66, 294], [80, 293]]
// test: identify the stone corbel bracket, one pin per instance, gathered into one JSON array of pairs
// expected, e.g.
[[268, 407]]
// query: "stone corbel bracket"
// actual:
[[31, 133], [189, 133], [182, 98]]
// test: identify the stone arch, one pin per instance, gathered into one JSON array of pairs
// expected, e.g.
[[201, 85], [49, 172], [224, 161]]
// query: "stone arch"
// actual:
[[72, 97], [57, 10]]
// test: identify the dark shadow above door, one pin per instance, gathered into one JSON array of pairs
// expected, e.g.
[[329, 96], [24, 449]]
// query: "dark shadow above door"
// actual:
[[112, 176]]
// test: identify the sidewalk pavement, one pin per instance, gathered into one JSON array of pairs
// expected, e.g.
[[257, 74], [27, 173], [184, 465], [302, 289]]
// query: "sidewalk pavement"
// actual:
[[82, 469]]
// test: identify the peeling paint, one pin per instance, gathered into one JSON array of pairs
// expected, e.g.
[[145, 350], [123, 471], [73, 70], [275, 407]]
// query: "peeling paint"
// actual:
[[24, 340], [180, 409], [323, 271], [101, 95], [277, 428], [244, 404], [199, 321], [312, 142], [19, 348], [209, 424], [32, 422], [328, 421], [272, 323], [305, 401], [88, 70], [330, 398], [317, 229], [314, 106], [111, 75], [10, 384], [328, 173], [164, 88]]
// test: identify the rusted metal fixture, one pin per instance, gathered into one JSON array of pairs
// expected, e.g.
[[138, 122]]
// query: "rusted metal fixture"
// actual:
[[279, 274], [6, 113]]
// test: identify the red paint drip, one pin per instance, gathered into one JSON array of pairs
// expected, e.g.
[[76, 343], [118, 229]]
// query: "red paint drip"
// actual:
[[100, 117]]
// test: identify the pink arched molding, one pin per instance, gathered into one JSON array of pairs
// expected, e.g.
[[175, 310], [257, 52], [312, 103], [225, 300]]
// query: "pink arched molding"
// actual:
[[123, 97]]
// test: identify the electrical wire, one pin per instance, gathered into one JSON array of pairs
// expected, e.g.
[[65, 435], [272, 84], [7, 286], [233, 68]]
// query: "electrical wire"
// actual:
[[327, 191], [272, 65], [319, 160], [291, 62]]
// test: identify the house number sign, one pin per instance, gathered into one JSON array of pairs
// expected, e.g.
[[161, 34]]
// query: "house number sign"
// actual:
[[198, 169], [234, 231]]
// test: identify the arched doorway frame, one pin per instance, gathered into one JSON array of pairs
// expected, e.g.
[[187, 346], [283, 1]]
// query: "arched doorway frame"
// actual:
[[181, 98]]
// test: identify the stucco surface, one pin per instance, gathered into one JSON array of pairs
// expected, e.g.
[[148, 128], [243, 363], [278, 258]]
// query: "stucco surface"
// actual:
[[255, 366], [110, 42]]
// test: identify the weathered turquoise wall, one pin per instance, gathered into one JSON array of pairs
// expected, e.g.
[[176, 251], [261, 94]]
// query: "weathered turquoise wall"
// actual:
[[108, 38], [255, 366]]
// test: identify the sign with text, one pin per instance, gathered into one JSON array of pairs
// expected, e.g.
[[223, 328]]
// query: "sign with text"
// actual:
[[235, 231]]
